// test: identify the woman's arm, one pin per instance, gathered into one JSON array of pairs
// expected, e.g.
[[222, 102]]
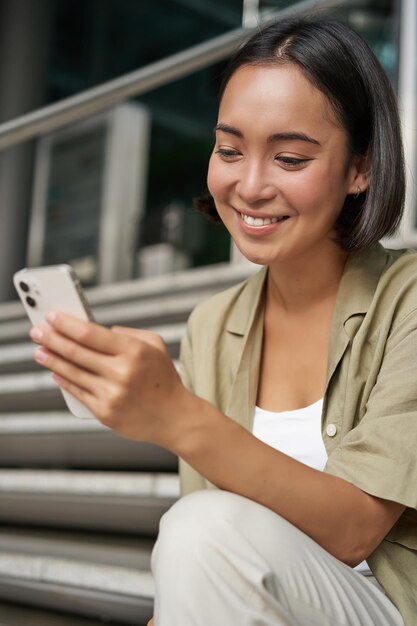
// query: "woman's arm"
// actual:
[[342, 518], [129, 382]]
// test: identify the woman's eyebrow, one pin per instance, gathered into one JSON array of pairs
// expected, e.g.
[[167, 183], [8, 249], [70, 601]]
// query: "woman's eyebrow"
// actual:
[[283, 136], [225, 128], [292, 136]]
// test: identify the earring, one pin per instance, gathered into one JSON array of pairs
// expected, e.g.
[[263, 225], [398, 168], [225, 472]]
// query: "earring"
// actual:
[[358, 193]]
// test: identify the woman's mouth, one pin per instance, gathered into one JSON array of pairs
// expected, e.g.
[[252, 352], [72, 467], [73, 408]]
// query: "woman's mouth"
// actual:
[[262, 221]]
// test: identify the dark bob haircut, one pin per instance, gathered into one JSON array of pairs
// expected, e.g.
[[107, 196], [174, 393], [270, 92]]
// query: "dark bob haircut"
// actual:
[[338, 62]]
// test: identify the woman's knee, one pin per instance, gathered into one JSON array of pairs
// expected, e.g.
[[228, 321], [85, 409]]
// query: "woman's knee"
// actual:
[[195, 525], [216, 539], [205, 511], [192, 517], [202, 525]]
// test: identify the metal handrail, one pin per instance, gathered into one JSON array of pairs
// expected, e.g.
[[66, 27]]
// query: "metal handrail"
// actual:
[[135, 83]]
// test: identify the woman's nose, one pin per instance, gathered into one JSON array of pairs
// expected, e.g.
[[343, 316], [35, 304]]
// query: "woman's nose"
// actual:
[[254, 186]]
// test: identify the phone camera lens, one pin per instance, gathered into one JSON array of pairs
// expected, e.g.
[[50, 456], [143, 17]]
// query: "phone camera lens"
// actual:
[[31, 302], [24, 286]]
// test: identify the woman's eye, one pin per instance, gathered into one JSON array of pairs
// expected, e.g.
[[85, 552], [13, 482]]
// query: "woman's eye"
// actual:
[[227, 153], [291, 162]]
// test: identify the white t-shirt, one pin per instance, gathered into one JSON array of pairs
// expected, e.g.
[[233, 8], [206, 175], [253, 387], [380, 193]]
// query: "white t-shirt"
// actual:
[[298, 434]]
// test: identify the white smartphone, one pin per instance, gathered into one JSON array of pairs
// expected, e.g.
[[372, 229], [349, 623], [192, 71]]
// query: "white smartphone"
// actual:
[[49, 288]]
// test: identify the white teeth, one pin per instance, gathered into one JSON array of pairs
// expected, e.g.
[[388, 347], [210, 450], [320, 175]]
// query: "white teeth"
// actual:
[[258, 221]]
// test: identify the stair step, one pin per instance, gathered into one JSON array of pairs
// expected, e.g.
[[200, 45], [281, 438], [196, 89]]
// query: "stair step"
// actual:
[[18, 357], [162, 310], [60, 440], [107, 592], [96, 575], [142, 303], [207, 279], [21, 392], [117, 501], [93, 547], [12, 615]]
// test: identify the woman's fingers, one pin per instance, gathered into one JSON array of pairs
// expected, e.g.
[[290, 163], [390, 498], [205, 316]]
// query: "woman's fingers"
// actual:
[[146, 336], [73, 374], [127, 330], [81, 394], [87, 334], [69, 349], [82, 343], [125, 377]]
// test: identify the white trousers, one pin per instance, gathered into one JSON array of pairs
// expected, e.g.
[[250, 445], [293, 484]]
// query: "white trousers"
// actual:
[[223, 560]]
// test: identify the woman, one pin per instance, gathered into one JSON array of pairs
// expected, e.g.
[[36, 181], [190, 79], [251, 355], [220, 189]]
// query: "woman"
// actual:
[[307, 366]]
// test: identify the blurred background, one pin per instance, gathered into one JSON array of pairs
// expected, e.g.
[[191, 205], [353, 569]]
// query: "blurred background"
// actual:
[[107, 109], [111, 192]]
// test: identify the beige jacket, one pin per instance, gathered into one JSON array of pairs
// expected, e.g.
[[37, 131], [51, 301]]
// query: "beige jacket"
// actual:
[[369, 420]]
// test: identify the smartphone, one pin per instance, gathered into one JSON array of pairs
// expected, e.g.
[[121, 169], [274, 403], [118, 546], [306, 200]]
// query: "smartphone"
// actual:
[[49, 288]]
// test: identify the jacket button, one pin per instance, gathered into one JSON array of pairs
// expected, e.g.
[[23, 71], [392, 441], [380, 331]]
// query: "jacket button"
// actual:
[[331, 429]]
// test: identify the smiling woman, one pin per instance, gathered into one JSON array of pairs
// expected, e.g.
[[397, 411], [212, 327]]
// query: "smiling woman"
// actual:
[[298, 395], [278, 170], [330, 64]]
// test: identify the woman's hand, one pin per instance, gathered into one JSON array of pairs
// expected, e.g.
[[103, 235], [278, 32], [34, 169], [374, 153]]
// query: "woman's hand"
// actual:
[[124, 376], [151, 622]]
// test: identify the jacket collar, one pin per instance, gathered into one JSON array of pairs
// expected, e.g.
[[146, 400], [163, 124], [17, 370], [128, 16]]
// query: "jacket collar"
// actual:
[[356, 290], [246, 323], [247, 304], [359, 281], [357, 287]]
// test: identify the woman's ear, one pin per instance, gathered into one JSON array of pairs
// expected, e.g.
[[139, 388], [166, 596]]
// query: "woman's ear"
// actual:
[[360, 175]]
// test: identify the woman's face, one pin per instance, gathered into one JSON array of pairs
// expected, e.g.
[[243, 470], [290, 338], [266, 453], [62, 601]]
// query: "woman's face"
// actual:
[[280, 169]]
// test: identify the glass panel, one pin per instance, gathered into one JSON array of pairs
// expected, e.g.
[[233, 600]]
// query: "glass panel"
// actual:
[[99, 40], [375, 20], [183, 117], [72, 222]]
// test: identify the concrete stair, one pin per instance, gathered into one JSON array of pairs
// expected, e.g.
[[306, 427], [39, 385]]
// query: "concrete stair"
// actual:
[[106, 577], [12, 615], [79, 505]]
